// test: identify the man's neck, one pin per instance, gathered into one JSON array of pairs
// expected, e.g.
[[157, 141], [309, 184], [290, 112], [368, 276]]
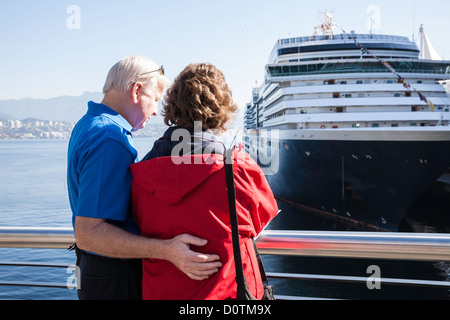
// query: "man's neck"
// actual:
[[114, 100], [118, 102]]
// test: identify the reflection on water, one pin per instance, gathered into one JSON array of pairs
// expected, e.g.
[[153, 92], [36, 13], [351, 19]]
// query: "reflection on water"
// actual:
[[292, 218]]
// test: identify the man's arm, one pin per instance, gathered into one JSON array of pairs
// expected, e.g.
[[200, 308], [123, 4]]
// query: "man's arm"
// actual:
[[98, 236]]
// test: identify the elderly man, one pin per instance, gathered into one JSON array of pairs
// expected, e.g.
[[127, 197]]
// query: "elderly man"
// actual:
[[100, 152]]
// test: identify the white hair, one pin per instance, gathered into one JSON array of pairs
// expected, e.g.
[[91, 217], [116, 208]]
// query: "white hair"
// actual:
[[129, 70]]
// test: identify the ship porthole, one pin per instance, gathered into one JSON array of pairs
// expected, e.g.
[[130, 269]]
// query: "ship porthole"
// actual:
[[285, 145]]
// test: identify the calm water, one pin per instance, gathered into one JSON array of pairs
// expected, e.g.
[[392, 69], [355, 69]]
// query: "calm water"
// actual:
[[33, 192]]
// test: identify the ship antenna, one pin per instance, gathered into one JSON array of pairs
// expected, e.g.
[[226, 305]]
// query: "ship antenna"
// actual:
[[414, 21], [327, 24]]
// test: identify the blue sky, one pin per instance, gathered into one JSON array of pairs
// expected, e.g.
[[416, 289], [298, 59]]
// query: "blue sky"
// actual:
[[40, 57]]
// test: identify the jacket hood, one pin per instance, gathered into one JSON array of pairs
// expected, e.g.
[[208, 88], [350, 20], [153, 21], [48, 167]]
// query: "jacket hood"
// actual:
[[192, 142], [170, 178]]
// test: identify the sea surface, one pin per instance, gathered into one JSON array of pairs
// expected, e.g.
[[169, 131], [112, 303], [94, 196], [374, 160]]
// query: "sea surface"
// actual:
[[33, 193]]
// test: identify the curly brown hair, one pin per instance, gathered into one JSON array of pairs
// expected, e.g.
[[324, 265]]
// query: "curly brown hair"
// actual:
[[199, 93]]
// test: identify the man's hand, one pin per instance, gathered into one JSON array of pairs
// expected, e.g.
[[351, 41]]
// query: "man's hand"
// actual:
[[197, 266]]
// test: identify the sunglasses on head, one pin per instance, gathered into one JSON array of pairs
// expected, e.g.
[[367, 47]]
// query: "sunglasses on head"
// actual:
[[160, 70]]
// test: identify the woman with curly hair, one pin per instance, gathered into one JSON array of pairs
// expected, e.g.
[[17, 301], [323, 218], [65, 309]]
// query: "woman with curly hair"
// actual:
[[199, 97], [190, 197]]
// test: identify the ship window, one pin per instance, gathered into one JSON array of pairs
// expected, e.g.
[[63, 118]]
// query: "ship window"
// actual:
[[408, 94], [396, 95], [339, 109], [409, 66], [389, 81], [414, 108], [394, 124], [375, 125], [336, 95], [303, 111], [355, 125], [359, 81], [413, 124], [348, 95]]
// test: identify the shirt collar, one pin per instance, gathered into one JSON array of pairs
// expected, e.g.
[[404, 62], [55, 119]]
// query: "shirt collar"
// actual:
[[101, 109]]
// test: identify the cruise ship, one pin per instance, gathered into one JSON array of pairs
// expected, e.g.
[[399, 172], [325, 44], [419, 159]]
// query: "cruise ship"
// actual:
[[351, 125]]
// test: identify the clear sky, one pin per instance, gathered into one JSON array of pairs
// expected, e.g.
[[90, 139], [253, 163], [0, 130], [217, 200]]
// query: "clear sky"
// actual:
[[42, 55]]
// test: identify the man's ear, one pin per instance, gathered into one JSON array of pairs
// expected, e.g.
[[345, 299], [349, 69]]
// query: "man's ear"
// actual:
[[136, 91]]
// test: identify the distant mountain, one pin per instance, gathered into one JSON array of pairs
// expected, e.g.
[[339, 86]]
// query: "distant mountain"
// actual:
[[4, 116], [63, 108]]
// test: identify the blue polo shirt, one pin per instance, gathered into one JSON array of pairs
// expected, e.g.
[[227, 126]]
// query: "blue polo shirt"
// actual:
[[101, 149]]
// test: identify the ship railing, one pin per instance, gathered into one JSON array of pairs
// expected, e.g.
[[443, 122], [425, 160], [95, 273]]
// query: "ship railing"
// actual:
[[430, 247], [274, 75]]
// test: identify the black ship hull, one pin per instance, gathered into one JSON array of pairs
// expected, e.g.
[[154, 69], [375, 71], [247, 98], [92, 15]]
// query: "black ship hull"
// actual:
[[370, 182]]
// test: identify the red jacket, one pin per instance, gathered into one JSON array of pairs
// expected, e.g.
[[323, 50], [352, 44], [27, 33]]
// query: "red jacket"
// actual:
[[170, 199]]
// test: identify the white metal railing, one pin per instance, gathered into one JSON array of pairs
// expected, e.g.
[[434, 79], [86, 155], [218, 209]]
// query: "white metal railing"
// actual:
[[31, 237], [370, 245], [380, 245]]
